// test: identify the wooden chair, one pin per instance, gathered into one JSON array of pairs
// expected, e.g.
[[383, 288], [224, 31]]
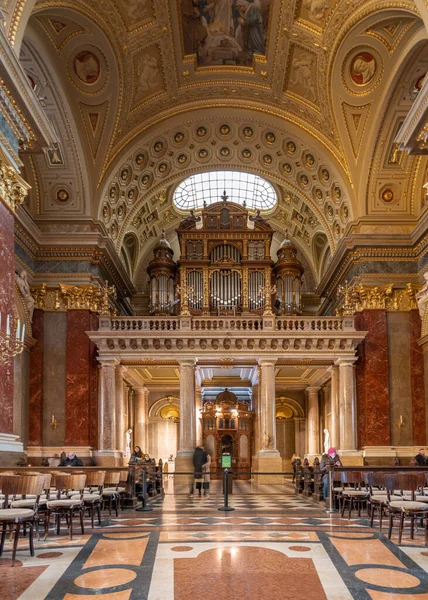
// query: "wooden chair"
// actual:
[[92, 496], [354, 495], [122, 487], [20, 485], [111, 491], [66, 507], [378, 496], [409, 508]]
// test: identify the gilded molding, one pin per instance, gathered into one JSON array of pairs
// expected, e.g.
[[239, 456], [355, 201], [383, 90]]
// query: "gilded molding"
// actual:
[[384, 297], [71, 297], [13, 189]]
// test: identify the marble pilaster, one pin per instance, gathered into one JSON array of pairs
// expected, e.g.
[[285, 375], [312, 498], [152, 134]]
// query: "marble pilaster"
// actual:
[[78, 365], [334, 398], [313, 421], [347, 405], [35, 433], [417, 380], [373, 380], [7, 283]]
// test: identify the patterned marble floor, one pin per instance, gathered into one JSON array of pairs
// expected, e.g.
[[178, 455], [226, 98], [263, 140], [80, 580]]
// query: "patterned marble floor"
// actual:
[[272, 547]]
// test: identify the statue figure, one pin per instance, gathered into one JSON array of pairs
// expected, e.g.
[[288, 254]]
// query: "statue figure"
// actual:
[[266, 442], [422, 297], [22, 283], [128, 443], [326, 440]]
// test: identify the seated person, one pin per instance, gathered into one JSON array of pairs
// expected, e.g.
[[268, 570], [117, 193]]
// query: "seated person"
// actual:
[[71, 461], [136, 456], [420, 459], [327, 462]]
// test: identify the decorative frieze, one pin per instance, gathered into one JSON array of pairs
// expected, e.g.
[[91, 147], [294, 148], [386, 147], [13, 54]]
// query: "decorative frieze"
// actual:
[[385, 297], [97, 299]]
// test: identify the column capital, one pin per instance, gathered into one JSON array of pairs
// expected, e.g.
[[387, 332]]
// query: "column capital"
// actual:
[[108, 362], [186, 362], [267, 362], [313, 389], [346, 362], [333, 368]]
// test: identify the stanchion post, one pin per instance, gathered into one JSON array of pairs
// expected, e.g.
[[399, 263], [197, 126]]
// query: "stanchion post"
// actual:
[[144, 507], [331, 509], [226, 506]]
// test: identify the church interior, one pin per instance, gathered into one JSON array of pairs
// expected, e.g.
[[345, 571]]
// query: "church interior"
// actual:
[[213, 234]]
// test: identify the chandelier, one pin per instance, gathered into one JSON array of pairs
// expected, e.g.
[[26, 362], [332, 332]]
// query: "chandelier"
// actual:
[[11, 340]]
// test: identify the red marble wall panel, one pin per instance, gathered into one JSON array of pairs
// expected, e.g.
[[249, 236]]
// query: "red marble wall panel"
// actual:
[[35, 434], [77, 378], [361, 396], [417, 381], [373, 381], [93, 388], [81, 421], [7, 283]]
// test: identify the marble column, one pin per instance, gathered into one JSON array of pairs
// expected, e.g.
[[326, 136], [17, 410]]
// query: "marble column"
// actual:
[[347, 404], [183, 461], [334, 398], [187, 406], [141, 418], [255, 406], [198, 408], [120, 408], [107, 413], [267, 458], [313, 421]]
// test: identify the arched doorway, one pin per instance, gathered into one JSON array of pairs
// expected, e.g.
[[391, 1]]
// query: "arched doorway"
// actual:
[[164, 419], [289, 429]]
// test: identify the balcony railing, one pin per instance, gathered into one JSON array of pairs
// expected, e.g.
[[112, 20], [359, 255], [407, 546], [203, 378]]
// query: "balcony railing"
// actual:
[[228, 324]]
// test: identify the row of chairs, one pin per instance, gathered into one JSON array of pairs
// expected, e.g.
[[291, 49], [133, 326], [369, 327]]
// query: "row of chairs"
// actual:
[[402, 495], [31, 500]]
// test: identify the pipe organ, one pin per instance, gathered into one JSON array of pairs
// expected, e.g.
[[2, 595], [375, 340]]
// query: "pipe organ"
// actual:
[[225, 267]]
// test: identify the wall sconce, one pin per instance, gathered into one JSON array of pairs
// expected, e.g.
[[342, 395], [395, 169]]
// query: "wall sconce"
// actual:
[[400, 422], [54, 422]]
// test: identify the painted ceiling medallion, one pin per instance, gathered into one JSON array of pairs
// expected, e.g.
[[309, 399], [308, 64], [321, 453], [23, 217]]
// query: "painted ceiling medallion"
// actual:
[[363, 68], [87, 67], [388, 195], [62, 195]]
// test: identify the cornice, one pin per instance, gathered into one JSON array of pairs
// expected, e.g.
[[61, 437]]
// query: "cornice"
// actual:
[[30, 114], [87, 246], [385, 246]]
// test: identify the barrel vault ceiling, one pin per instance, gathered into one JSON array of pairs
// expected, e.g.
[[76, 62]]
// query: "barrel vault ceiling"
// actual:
[[142, 93]]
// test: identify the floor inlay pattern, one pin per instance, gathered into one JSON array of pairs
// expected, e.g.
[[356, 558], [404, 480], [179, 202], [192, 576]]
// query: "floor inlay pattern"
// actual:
[[185, 553]]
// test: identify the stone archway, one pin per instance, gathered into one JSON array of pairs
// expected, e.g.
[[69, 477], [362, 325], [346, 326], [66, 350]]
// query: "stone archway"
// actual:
[[164, 417], [290, 418]]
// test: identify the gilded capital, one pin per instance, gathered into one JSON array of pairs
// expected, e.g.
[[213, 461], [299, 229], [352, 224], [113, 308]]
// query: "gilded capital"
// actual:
[[13, 189]]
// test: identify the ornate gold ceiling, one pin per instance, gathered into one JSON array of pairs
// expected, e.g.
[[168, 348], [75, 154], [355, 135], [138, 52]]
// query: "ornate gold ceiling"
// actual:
[[131, 85]]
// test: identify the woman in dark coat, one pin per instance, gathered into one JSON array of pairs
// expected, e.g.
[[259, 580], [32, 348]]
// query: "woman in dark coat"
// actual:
[[199, 459]]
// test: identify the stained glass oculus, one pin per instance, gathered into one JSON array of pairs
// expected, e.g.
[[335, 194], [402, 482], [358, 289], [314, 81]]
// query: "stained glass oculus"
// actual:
[[243, 188]]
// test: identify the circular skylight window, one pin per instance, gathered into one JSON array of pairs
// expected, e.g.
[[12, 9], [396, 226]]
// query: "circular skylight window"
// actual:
[[242, 188]]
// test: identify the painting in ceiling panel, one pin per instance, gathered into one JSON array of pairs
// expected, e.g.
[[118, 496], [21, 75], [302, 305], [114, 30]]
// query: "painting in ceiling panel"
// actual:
[[135, 13], [225, 32]]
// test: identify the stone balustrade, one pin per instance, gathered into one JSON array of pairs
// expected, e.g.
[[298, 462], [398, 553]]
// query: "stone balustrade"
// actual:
[[303, 337], [220, 324]]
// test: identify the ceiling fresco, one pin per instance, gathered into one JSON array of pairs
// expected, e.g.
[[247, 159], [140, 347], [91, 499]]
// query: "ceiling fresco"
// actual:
[[142, 94]]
